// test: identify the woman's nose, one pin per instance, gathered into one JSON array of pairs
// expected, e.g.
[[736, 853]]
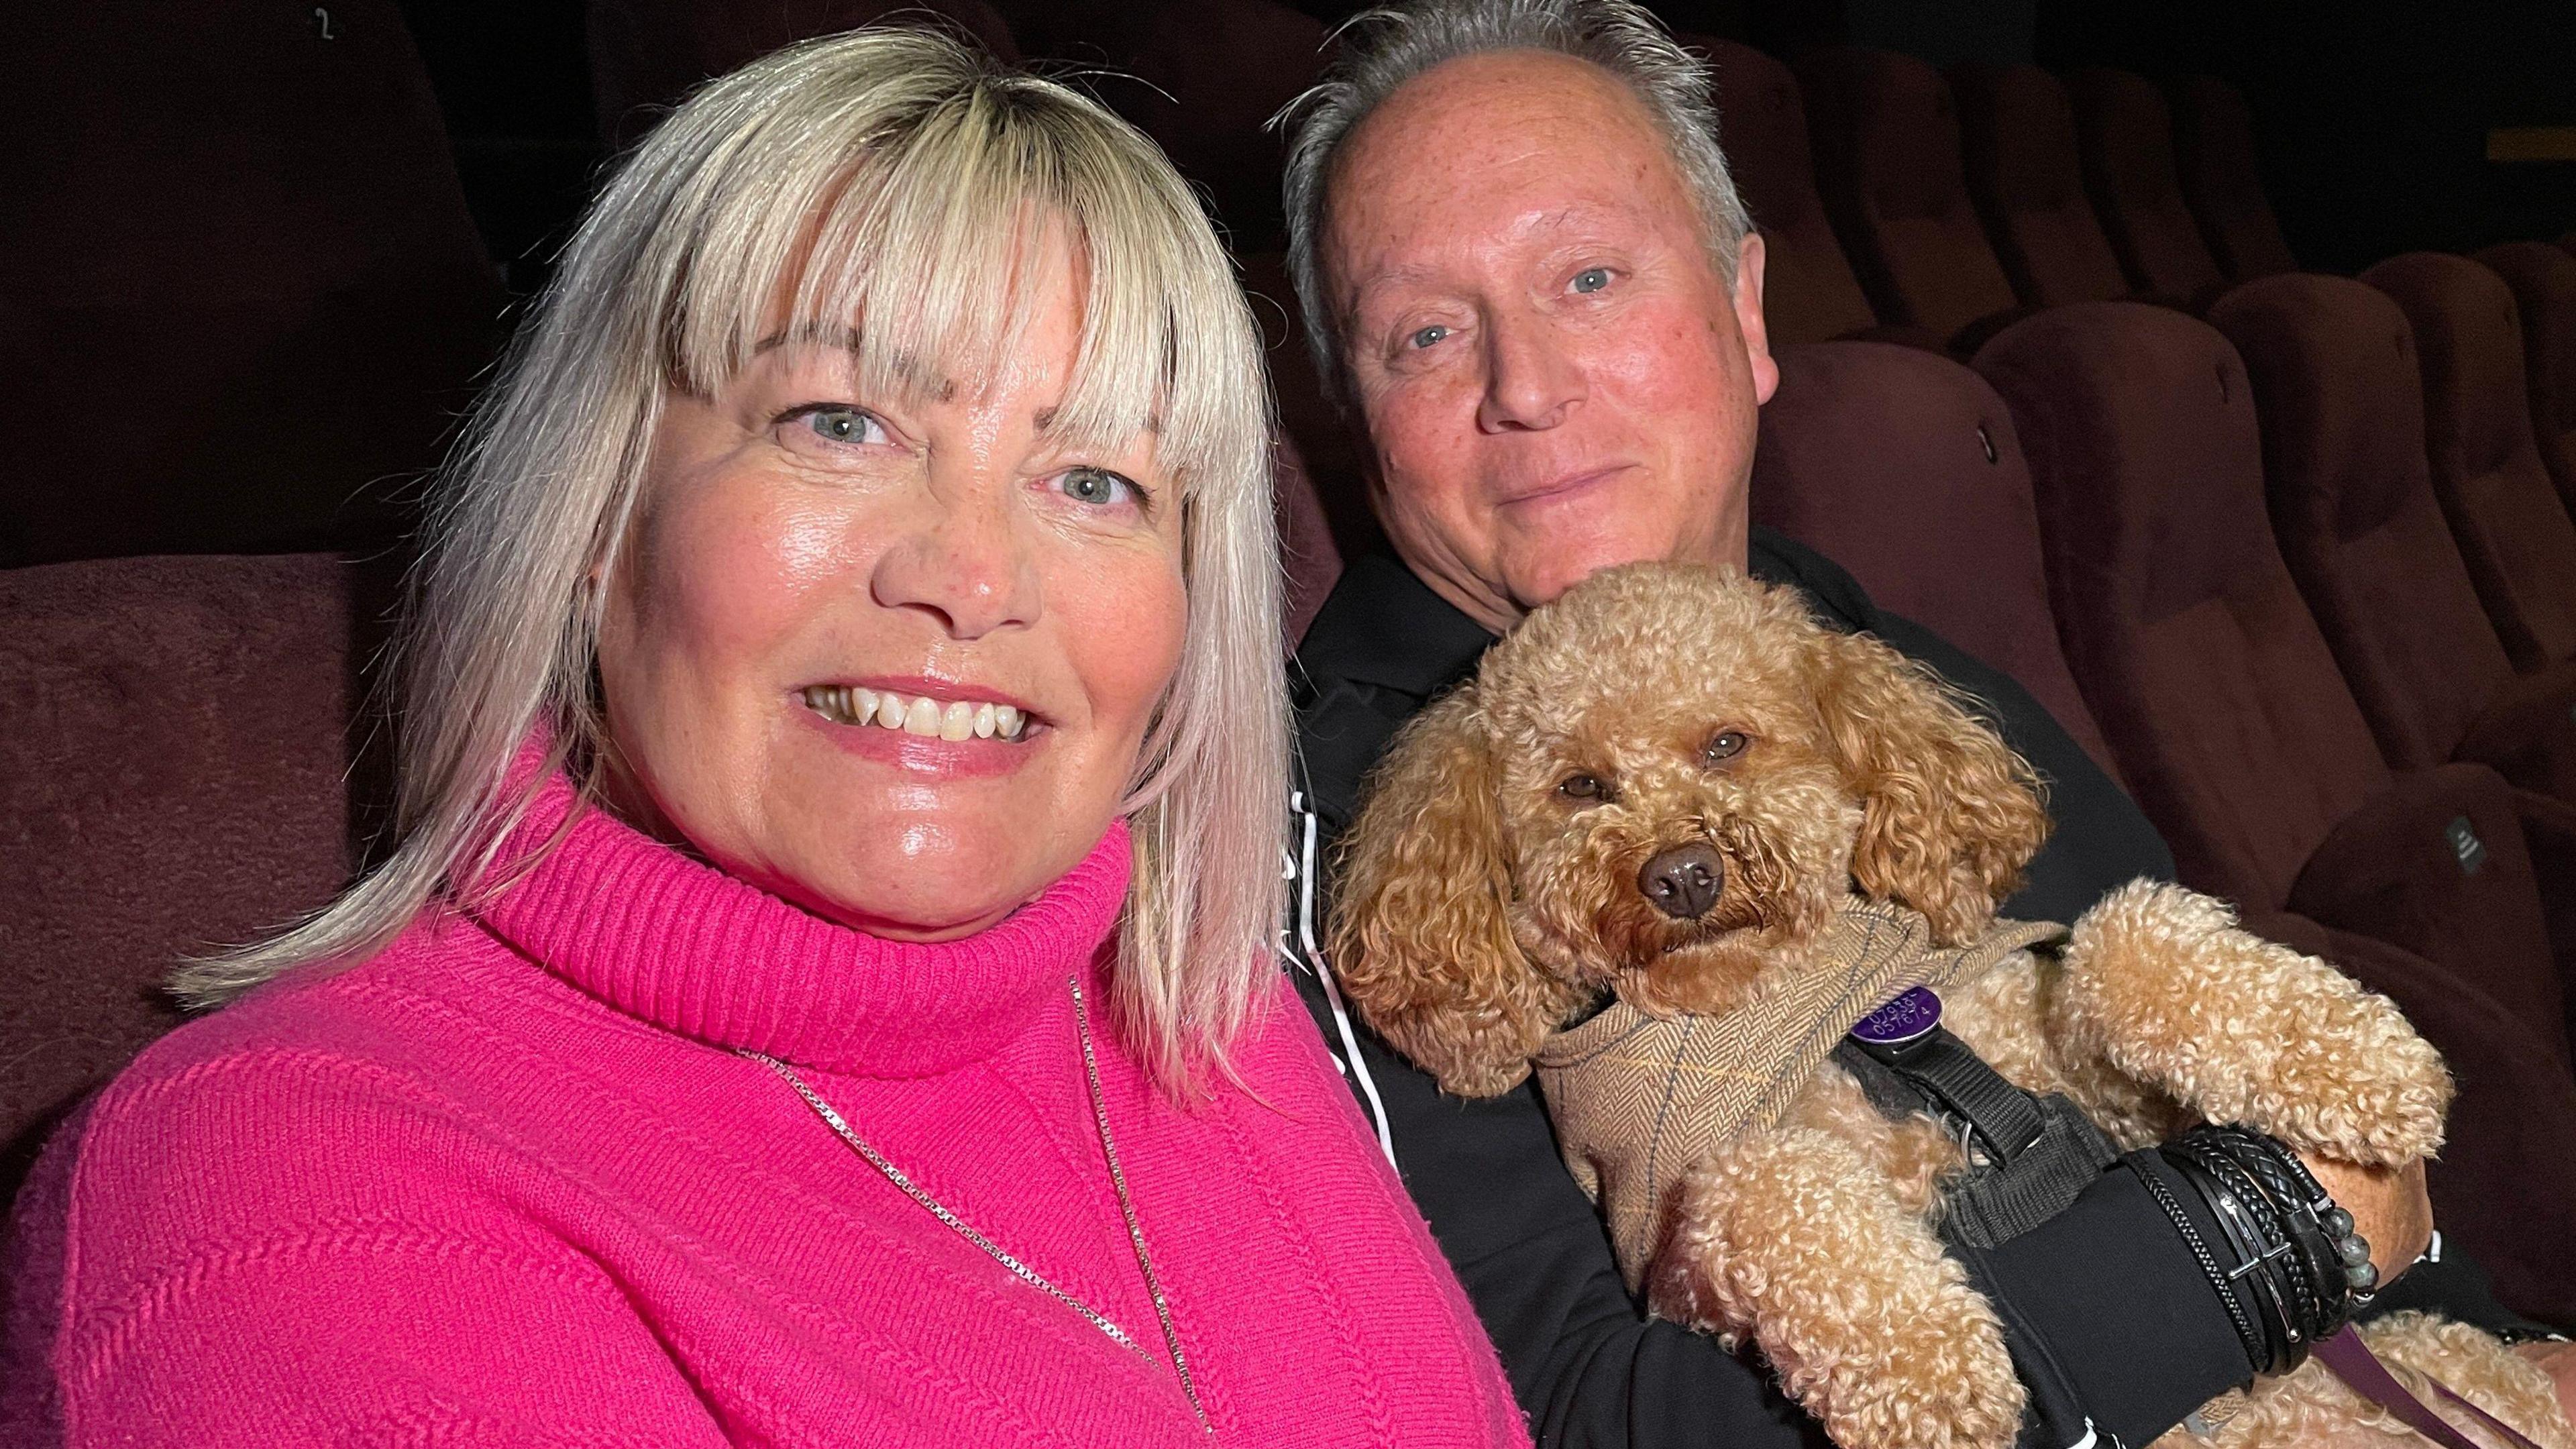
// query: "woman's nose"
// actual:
[[1531, 381], [964, 560]]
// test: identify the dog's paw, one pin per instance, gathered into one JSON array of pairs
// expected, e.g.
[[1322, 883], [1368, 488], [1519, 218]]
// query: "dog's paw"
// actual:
[[2161, 983], [1788, 1238]]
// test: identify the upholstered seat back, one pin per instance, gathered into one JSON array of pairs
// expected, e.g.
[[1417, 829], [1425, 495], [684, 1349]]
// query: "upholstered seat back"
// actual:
[[241, 299], [2124, 133], [2017, 134], [2543, 279], [174, 778], [647, 55], [1902, 466], [1808, 291], [1887, 164], [2351, 499], [2513, 530], [2181, 624], [2222, 179]]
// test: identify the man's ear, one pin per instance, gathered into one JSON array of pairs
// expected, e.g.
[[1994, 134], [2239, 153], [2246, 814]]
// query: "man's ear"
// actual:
[[1750, 259], [1950, 814], [1420, 937]]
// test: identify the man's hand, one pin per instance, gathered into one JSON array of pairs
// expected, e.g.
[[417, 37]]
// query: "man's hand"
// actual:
[[2558, 1360], [2388, 1205]]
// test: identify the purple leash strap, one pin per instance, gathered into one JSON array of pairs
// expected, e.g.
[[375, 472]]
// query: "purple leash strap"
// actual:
[[2356, 1365]]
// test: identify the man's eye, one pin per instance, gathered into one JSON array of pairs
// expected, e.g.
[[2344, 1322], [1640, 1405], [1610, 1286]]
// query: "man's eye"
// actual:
[[1727, 746], [1098, 487], [1592, 279], [835, 423], [1583, 787], [1430, 336]]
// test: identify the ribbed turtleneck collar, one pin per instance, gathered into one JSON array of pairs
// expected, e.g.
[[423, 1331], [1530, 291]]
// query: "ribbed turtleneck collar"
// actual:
[[678, 943]]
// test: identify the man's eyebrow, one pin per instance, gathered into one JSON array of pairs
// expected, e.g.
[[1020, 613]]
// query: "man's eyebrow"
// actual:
[[1577, 215], [1398, 276], [1572, 216]]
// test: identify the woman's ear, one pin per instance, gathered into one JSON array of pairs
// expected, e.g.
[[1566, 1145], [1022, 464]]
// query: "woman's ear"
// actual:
[[1420, 936], [1950, 814]]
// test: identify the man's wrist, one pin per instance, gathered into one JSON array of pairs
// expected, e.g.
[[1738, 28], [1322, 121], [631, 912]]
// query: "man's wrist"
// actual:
[[2125, 1310]]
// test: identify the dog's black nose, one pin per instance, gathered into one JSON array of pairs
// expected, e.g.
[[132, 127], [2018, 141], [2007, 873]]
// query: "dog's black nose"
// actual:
[[1683, 882]]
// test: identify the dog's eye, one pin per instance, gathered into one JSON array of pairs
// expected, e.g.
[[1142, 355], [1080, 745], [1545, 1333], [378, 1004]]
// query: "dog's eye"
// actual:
[[1726, 746], [1583, 787]]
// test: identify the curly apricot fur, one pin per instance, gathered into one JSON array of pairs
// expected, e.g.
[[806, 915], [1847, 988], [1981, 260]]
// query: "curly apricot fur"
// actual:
[[1481, 905]]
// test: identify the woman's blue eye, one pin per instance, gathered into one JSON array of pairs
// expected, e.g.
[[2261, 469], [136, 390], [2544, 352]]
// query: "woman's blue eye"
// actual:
[[1098, 487], [1592, 279], [1429, 336], [845, 425]]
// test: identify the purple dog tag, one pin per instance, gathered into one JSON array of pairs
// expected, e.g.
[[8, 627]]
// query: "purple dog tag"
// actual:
[[1912, 1013]]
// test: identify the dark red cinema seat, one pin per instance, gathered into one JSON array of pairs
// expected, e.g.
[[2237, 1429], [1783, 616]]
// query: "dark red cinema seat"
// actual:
[[1307, 554], [244, 301], [2236, 733], [2513, 529], [647, 55], [1202, 77], [2332, 363], [2017, 138], [1887, 165], [1901, 466], [1328, 454], [1808, 291], [2124, 134], [2543, 279], [2222, 178], [172, 779]]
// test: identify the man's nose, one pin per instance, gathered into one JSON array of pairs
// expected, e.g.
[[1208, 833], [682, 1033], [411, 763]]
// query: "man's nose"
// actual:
[[963, 557], [1684, 881], [1531, 380]]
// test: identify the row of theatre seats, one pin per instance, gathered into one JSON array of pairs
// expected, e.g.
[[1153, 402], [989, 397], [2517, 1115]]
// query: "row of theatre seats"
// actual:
[[2290, 554], [243, 302]]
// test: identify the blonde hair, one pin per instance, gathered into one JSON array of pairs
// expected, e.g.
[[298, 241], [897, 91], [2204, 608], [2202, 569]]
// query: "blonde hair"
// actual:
[[890, 176]]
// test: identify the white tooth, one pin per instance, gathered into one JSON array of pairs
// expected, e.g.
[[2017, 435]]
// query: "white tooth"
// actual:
[[814, 696], [922, 718], [957, 721], [890, 710], [984, 721], [1006, 722], [863, 704], [840, 701]]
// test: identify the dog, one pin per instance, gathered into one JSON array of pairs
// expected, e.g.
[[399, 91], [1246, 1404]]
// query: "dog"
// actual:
[[1667, 788]]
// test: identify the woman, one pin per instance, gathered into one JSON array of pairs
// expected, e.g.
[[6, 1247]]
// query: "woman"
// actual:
[[823, 991]]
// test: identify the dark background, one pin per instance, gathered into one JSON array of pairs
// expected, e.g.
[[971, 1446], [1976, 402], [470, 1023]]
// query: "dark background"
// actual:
[[2372, 119]]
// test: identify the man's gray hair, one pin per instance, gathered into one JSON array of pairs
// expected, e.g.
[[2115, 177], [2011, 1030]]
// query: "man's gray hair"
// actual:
[[1383, 48]]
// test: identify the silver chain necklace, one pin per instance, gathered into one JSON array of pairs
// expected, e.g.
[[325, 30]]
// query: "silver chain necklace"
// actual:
[[1025, 1273]]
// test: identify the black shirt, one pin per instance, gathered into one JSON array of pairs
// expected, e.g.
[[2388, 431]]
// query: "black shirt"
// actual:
[[2123, 1306]]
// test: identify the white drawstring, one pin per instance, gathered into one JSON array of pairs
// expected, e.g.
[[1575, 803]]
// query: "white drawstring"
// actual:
[[1311, 956]]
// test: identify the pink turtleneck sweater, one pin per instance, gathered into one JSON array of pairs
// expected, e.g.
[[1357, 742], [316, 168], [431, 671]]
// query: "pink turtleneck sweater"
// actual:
[[508, 1184]]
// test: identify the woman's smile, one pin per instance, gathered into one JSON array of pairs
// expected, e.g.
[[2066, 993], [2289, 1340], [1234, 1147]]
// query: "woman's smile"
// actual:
[[957, 733]]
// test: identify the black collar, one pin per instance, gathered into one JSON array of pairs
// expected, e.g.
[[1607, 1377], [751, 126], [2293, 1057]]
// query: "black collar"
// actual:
[[1384, 628]]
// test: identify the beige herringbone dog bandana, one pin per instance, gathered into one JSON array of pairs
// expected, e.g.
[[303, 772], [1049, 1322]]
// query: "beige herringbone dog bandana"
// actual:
[[1635, 1100]]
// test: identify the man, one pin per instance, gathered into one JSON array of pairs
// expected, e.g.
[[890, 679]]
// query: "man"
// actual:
[[1526, 274]]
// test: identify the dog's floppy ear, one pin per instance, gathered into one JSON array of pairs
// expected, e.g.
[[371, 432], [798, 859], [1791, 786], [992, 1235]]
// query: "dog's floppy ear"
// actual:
[[1950, 813], [1420, 938]]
